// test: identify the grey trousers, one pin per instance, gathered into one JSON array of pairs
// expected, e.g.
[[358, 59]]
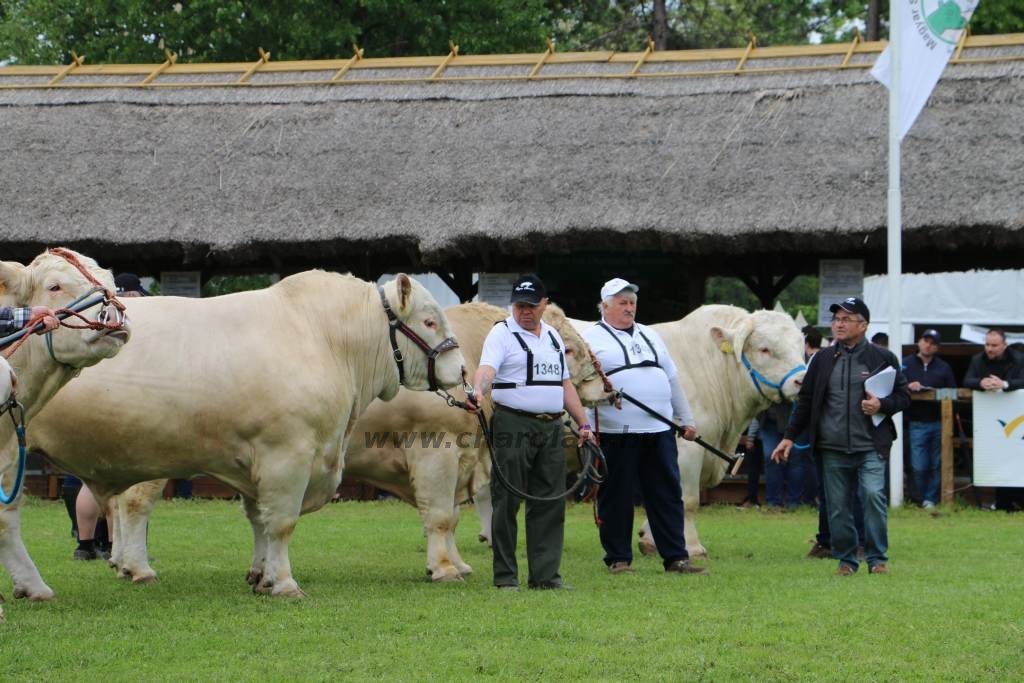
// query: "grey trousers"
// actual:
[[530, 454]]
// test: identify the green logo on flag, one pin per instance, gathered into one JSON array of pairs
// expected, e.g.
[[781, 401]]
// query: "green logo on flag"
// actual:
[[947, 18]]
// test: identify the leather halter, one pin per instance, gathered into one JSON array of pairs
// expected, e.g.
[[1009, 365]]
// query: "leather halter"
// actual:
[[395, 325]]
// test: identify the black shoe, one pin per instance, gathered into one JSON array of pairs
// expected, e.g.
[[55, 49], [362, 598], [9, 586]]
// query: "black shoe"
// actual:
[[555, 585], [684, 567], [83, 554]]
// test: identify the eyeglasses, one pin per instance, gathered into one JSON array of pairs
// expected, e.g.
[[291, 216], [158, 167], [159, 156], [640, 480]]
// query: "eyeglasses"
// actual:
[[846, 320]]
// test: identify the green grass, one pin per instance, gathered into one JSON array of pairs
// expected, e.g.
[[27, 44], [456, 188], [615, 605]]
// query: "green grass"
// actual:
[[952, 610]]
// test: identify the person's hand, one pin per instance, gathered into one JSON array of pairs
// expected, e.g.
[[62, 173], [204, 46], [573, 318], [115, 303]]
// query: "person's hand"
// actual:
[[871, 404], [473, 402], [781, 452], [586, 434], [689, 432], [747, 442], [991, 383], [49, 319], [916, 386]]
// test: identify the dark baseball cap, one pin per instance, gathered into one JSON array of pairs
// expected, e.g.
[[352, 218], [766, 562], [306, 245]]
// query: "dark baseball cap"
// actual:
[[129, 282], [528, 289], [932, 334], [852, 305]]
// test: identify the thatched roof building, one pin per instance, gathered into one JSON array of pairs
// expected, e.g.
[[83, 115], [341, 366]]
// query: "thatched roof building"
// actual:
[[685, 163]]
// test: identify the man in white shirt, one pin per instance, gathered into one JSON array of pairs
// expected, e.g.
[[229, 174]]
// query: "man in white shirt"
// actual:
[[523, 362], [639, 448]]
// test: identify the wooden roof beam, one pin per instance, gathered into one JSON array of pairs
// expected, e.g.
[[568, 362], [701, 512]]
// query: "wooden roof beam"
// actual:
[[264, 58], [76, 62]]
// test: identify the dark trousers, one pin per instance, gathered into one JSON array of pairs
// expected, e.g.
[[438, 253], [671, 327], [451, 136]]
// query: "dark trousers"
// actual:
[[754, 464], [530, 454], [652, 461]]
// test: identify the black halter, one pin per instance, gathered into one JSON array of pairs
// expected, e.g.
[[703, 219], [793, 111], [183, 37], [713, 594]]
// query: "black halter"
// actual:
[[396, 325]]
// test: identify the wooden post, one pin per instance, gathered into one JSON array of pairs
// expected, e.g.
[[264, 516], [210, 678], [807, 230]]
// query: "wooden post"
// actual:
[[947, 452]]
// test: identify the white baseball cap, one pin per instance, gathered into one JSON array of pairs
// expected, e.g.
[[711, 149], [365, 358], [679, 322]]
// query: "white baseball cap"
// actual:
[[616, 285]]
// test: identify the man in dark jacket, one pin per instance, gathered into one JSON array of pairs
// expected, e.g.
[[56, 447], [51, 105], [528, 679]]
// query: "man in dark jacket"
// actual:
[[836, 411], [998, 368], [925, 370]]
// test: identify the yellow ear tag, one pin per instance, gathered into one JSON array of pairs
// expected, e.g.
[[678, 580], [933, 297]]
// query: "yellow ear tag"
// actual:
[[726, 347]]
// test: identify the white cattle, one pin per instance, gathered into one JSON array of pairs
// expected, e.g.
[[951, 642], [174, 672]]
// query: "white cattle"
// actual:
[[713, 347], [732, 365], [54, 279], [260, 390], [417, 447]]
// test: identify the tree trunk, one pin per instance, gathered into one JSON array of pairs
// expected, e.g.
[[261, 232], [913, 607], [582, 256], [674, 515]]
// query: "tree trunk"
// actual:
[[661, 25]]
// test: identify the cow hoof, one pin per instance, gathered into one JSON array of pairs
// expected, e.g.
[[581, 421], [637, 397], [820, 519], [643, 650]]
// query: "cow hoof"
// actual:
[[647, 547], [253, 578], [698, 552], [484, 539], [464, 569], [447, 577], [145, 579], [288, 589], [39, 596]]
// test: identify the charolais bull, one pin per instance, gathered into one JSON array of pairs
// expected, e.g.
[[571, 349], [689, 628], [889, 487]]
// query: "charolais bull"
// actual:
[[260, 390]]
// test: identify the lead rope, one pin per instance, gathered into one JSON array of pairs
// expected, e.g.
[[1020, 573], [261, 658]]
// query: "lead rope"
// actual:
[[19, 429]]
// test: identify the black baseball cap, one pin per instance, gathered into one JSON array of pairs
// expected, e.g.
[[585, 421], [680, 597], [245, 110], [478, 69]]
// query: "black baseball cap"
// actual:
[[129, 282], [528, 289], [932, 334], [852, 305]]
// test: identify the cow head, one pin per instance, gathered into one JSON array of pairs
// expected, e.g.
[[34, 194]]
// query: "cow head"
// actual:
[[429, 355], [54, 281], [591, 384], [770, 349]]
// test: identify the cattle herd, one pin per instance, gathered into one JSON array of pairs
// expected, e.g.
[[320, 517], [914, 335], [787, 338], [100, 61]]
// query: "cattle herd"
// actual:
[[220, 398]]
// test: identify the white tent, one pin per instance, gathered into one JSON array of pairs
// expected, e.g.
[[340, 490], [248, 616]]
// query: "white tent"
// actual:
[[979, 298]]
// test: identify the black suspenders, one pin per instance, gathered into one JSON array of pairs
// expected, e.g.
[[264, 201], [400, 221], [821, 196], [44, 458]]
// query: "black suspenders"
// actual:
[[625, 354], [530, 381]]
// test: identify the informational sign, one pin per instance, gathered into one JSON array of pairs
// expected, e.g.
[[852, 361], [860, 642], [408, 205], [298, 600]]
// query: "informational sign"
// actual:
[[837, 280], [180, 283], [998, 438], [496, 288]]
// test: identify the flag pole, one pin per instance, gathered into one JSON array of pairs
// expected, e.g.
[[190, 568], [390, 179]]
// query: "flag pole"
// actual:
[[894, 241]]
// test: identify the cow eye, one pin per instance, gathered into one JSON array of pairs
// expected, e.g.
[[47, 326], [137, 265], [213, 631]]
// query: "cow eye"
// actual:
[[569, 352], [429, 322], [55, 287]]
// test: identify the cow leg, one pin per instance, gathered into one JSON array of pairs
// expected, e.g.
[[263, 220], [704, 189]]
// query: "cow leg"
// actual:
[[484, 509], [27, 583], [276, 511], [131, 550], [260, 541], [453, 550], [691, 465], [435, 479]]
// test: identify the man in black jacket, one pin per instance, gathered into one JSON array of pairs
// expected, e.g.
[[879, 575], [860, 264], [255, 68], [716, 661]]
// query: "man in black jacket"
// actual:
[[836, 411], [998, 368]]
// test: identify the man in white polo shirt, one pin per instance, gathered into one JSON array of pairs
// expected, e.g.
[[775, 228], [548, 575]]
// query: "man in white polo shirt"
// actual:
[[639, 448], [523, 362]]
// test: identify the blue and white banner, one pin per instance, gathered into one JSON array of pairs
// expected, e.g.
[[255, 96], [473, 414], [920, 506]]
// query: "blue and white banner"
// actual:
[[998, 438], [930, 30]]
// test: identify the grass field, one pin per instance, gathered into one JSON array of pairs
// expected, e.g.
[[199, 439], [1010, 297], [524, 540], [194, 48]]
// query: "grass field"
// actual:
[[952, 609]]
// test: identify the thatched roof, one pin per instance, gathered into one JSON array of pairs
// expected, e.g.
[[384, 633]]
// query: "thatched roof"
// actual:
[[291, 169]]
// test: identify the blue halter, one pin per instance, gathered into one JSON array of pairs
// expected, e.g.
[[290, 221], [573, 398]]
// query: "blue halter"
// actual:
[[758, 379]]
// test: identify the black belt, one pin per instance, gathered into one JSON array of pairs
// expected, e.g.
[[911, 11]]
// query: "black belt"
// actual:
[[543, 417]]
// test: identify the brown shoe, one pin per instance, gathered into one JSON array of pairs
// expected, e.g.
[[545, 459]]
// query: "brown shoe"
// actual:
[[620, 568], [684, 567], [882, 568], [819, 552], [845, 570]]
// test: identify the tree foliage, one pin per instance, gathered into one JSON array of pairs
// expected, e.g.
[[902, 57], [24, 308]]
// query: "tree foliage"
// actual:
[[138, 31]]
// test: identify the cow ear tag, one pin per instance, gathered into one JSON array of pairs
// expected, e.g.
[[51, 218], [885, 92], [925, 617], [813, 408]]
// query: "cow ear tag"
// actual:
[[726, 347]]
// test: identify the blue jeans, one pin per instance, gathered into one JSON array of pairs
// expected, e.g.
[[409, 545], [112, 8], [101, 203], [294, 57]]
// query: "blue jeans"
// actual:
[[781, 475], [846, 477], [925, 456]]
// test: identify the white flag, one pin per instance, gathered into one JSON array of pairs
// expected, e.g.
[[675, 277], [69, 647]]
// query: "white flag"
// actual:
[[930, 30]]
